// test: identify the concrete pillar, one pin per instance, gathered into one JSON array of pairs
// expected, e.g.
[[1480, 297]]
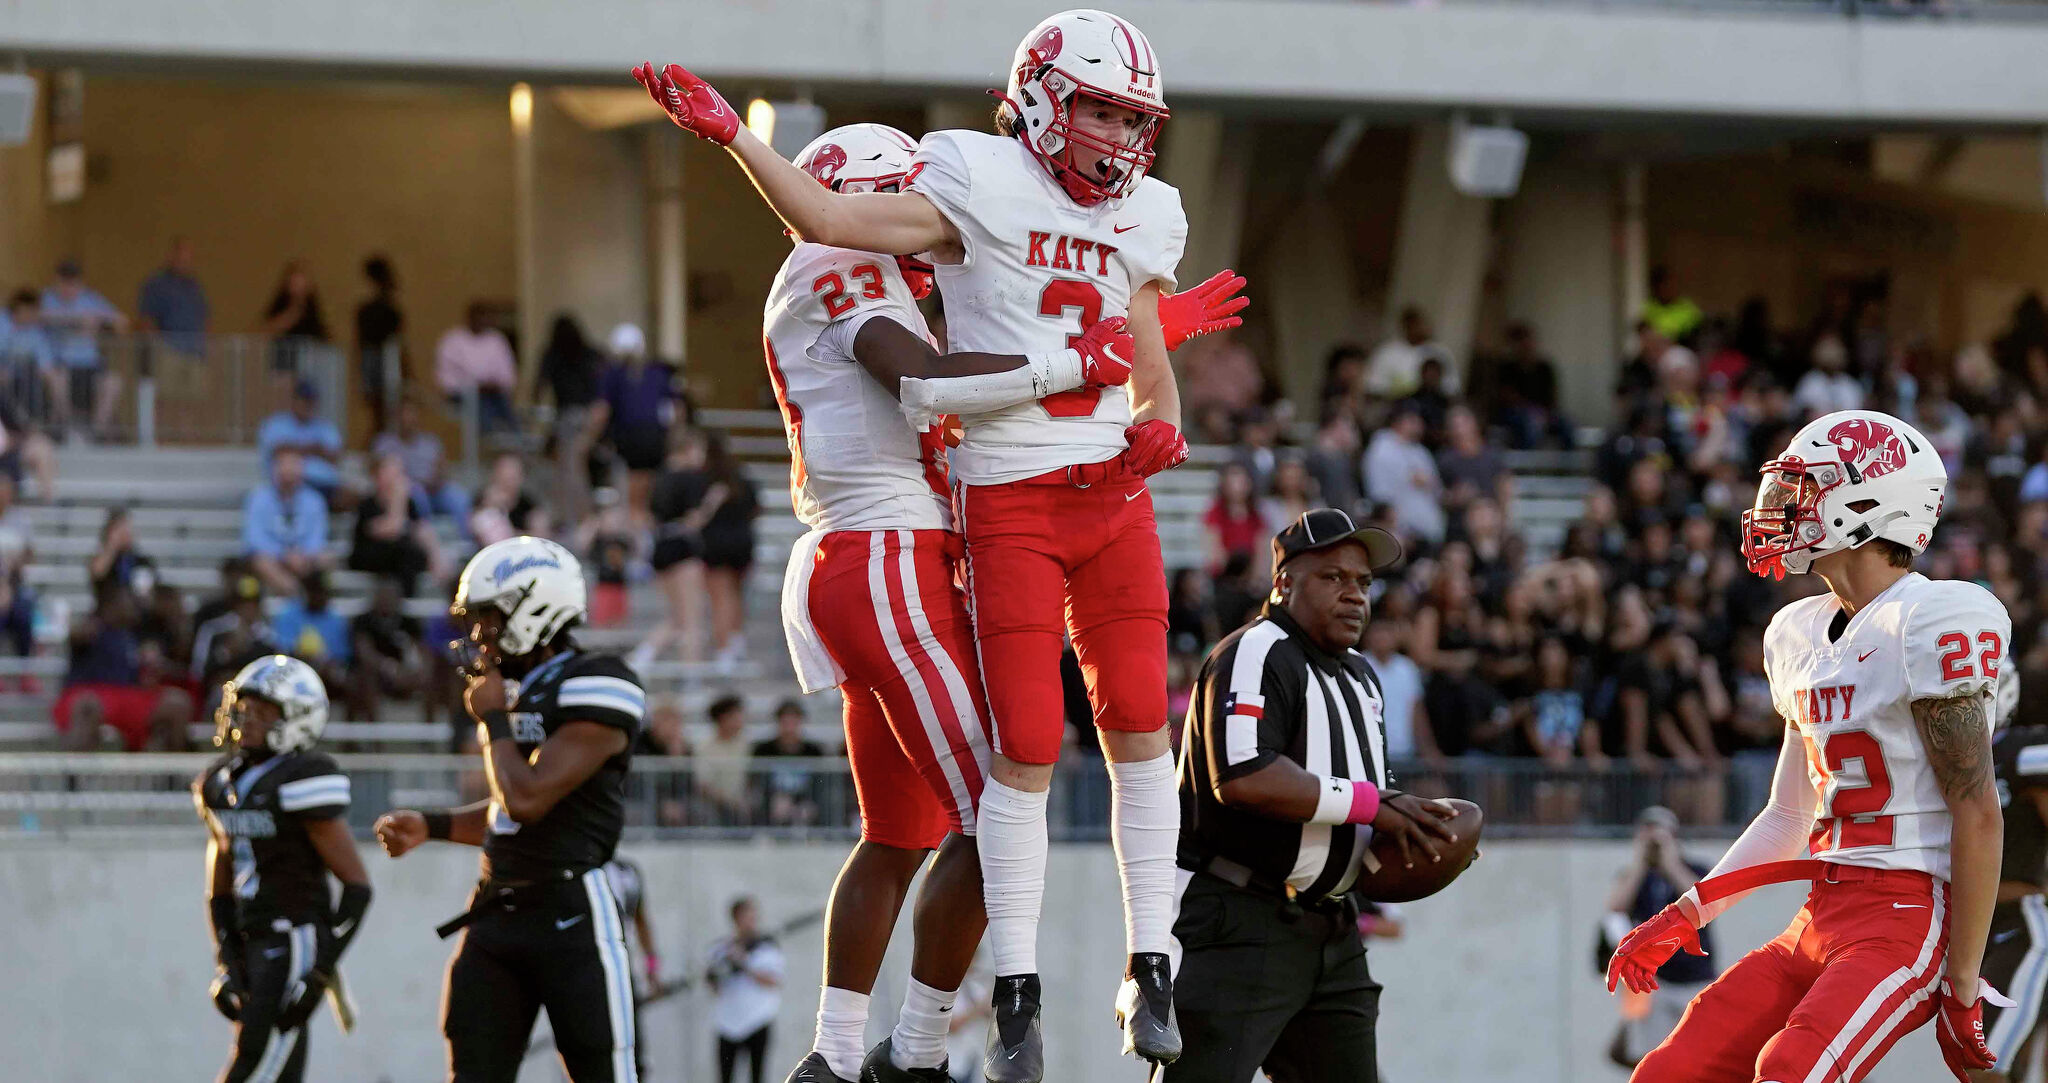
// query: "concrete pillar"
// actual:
[[1208, 159], [1561, 272], [1441, 247], [524, 246], [1634, 235], [668, 258]]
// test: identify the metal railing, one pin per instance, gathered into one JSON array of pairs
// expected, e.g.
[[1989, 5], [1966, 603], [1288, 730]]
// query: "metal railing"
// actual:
[[686, 797]]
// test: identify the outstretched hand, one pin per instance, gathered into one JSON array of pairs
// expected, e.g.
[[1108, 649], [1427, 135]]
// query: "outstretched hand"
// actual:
[[694, 105], [1204, 309]]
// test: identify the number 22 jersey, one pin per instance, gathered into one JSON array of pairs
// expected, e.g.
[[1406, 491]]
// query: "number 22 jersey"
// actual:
[[1038, 268], [1879, 803]]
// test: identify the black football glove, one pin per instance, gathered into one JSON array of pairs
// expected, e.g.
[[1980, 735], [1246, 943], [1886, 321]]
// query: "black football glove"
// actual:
[[304, 998]]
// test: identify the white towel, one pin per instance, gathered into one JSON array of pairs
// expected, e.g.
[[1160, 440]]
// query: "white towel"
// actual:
[[815, 669]]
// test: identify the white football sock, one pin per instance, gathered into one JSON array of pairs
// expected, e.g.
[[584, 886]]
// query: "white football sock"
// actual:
[[920, 1037], [1011, 830], [842, 1030], [1144, 825]]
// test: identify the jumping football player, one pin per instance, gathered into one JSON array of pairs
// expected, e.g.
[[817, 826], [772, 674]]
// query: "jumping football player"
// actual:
[[1885, 777], [543, 928], [2016, 957], [1038, 233], [870, 603], [273, 809]]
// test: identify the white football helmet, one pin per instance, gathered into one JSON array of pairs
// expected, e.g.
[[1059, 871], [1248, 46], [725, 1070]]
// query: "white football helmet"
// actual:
[[868, 158], [1846, 478], [1077, 54], [292, 685], [536, 584]]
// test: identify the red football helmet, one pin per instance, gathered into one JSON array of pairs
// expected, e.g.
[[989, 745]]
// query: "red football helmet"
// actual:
[[1067, 60], [867, 158]]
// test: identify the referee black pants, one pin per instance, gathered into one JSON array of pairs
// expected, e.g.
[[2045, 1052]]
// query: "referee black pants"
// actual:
[[557, 946], [273, 963], [1265, 984]]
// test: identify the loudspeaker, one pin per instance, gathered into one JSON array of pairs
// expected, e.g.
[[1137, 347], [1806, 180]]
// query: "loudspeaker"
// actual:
[[1487, 162], [17, 108]]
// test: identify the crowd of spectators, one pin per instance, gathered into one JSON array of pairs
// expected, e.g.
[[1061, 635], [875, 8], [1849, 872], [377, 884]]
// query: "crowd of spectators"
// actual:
[[1636, 637]]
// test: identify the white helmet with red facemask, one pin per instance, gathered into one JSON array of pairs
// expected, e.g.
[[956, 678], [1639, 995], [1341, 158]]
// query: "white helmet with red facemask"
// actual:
[[1066, 60], [1847, 478], [867, 158]]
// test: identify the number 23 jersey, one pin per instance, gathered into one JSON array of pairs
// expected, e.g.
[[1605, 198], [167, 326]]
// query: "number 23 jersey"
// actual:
[[1879, 803], [1038, 269]]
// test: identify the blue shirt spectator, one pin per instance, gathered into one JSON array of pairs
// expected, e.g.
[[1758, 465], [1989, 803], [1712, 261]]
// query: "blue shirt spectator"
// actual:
[[75, 315], [636, 405], [173, 303], [308, 628], [284, 525], [23, 343], [303, 430]]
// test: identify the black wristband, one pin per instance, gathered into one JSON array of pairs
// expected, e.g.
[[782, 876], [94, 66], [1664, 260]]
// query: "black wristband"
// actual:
[[439, 822], [497, 725]]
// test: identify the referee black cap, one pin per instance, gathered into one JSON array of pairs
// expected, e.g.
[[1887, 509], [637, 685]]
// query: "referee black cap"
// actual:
[[1320, 528]]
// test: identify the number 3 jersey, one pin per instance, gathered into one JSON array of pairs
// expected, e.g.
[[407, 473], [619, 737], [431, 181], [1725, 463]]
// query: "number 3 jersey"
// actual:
[[1038, 269], [854, 461], [262, 807], [1879, 801], [582, 829]]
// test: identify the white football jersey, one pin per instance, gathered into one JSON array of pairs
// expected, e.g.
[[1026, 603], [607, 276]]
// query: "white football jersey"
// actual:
[[854, 462], [1878, 801], [1038, 268]]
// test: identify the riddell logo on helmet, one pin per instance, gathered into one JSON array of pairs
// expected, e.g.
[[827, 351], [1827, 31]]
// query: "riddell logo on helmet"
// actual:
[[1869, 446]]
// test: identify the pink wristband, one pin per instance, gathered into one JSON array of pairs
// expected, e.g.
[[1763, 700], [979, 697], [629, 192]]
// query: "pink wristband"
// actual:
[[1365, 803]]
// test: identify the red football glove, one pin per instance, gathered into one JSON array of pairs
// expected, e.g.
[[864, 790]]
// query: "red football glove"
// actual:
[[1155, 445], [1649, 946], [1200, 310], [1959, 1030], [690, 102], [1106, 349]]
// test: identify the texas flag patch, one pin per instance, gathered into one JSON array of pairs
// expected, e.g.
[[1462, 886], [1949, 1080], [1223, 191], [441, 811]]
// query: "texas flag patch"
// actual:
[[1244, 704], [1241, 714]]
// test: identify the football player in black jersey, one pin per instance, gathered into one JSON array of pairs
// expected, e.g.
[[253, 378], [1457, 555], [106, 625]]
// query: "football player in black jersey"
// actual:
[[543, 928], [274, 812], [2016, 951]]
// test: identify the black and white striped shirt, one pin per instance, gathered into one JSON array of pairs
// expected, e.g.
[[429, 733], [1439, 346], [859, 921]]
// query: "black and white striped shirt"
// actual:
[[1267, 691]]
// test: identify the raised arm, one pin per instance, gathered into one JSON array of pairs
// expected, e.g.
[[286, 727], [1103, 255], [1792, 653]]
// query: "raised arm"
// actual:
[[899, 224]]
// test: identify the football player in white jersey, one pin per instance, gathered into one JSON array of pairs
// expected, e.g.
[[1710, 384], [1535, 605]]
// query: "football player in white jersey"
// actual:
[[1038, 232], [1885, 778], [870, 604]]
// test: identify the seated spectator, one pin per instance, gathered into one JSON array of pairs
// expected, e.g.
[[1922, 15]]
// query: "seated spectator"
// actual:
[[75, 317], [1290, 494], [1395, 369], [1944, 423], [1554, 716], [1430, 400], [1525, 394], [105, 685], [1233, 527], [475, 357], [284, 525], [1400, 473], [1333, 461], [503, 508], [1191, 621], [663, 736], [723, 771], [301, 429], [1257, 433], [231, 638], [393, 534], [637, 402], [165, 632], [117, 561], [1673, 315], [386, 647], [1343, 390], [310, 630], [792, 795], [419, 451], [1469, 465], [31, 384], [1828, 386], [1409, 737]]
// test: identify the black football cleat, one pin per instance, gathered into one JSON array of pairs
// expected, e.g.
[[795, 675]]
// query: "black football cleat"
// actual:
[[878, 1068], [813, 1069], [1144, 1009], [1016, 1044]]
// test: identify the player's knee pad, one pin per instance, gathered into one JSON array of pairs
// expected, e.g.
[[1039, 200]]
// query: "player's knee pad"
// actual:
[[1791, 1054]]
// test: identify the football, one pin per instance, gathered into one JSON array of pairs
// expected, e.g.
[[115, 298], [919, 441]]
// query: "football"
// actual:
[[1385, 879]]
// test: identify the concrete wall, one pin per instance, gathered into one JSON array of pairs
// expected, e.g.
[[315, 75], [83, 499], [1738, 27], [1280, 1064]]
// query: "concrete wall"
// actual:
[[1494, 980]]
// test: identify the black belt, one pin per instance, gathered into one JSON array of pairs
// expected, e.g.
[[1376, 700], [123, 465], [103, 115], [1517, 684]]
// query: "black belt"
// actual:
[[1245, 878], [508, 894]]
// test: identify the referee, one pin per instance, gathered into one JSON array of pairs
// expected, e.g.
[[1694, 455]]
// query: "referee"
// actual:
[[1280, 777]]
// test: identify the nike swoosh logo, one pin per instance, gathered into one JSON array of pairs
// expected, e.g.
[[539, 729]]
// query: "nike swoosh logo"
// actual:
[[1909, 906], [566, 922], [343, 928], [1012, 1054], [1866, 654], [1125, 229], [1132, 496]]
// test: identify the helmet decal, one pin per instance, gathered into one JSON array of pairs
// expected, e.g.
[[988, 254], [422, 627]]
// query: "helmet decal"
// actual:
[[826, 163], [1046, 47], [1868, 447]]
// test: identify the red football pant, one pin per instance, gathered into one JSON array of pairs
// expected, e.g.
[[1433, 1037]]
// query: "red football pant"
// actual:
[[885, 605], [1042, 551], [1856, 971]]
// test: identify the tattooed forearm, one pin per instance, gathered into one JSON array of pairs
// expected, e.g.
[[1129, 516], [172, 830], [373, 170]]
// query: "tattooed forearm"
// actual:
[[1957, 732]]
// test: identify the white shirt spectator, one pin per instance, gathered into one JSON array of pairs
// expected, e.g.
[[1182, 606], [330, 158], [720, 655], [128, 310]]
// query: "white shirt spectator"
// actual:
[[746, 1004], [466, 359], [1401, 691], [1394, 369], [1947, 427], [1400, 473], [1821, 392]]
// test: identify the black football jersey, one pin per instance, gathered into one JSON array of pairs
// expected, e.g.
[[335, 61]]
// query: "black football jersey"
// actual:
[[582, 830], [262, 808], [2020, 755]]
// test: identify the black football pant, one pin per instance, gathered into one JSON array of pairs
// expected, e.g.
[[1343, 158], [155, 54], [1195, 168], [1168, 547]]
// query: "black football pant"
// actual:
[[558, 946], [1264, 983], [273, 964]]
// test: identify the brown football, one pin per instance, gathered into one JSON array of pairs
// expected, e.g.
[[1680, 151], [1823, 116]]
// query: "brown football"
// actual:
[[1385, 879]]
